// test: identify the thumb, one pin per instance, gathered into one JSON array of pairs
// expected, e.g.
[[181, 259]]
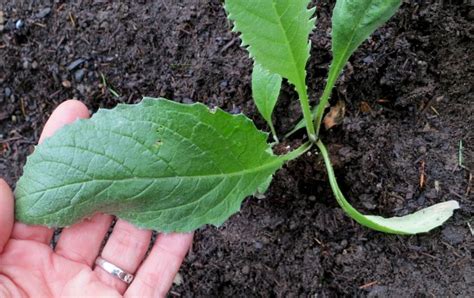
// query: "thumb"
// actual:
[[6, 213]]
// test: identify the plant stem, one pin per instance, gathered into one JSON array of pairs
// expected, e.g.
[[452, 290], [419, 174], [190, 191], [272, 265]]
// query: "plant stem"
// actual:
[[272, 129], [307, 115], [298, 151], [332, 78], [318, 112], [341, 200]]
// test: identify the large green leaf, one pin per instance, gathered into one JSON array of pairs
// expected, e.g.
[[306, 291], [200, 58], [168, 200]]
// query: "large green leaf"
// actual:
[[353, 21], [265, 90], [421, 221], [159, 165]]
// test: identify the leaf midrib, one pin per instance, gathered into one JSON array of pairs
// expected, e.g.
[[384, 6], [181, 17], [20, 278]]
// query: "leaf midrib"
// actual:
[[300, 82], [263, 167]]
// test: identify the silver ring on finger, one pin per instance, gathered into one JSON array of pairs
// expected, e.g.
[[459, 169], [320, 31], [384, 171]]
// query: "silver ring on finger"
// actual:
[[114, 270]]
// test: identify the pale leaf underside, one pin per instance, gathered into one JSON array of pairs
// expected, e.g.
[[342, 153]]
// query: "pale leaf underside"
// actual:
[[421, 221]]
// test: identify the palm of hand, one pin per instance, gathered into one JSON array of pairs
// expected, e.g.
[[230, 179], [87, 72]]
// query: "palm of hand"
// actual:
[[30, 267], [33, 270]]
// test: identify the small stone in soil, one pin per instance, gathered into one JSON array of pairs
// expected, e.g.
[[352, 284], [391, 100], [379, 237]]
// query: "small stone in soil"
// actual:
[[368, 60], [43, 13], [19, 24], [8, 92], [75, 64], [66, 84], [79, 75], [178, 279]]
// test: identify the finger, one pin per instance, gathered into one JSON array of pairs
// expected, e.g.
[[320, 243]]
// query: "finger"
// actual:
[[81, 242], [156, 275], [126, 249], [6, 213], [67, 112]]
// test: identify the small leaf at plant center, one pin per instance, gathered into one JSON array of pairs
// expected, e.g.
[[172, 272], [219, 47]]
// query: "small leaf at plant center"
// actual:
[[265, 90]]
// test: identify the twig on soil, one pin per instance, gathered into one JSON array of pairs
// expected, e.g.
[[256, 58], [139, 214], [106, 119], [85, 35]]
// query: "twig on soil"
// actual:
[[422, 174], [10, 140], [428, 255], [71, 18], [470, 228], [39, 25], [456, 194], [60, 7], [435, 111], [54, 94], [452, 248], [368, 285], [164, 4], [22, 106], [397, 196], [85, 41], [460, 155], [469, 183], [318, 241], [228, 45]]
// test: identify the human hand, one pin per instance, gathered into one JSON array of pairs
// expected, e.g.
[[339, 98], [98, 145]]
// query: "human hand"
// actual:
[[30, 267]]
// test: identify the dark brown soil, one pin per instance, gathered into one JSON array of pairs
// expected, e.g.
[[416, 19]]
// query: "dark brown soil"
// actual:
[[409, 99]]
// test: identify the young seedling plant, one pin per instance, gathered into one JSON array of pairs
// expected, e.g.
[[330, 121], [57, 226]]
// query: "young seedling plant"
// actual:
[[174, 168]]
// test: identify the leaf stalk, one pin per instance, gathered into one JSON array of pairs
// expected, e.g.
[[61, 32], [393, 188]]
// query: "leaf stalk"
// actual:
[[307, 115], [274, 133], [332, 78]]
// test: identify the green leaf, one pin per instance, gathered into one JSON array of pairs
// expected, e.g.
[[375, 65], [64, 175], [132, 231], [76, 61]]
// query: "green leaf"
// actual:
[[265, 90], [353, 21], [419, 222], [159, 165], [276, 33]]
